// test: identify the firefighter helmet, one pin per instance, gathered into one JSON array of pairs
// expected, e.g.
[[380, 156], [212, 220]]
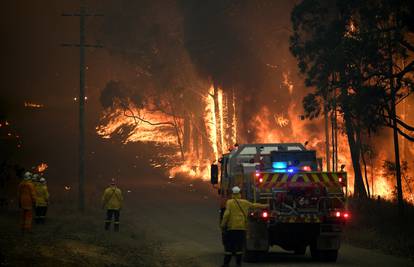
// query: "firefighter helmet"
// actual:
[[235, 190], [27, 175]]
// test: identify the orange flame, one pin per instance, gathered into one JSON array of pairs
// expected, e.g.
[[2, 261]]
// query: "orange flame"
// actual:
[[42, 167]]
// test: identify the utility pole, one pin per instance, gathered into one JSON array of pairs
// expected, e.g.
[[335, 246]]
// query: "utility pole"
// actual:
[[82, 45]]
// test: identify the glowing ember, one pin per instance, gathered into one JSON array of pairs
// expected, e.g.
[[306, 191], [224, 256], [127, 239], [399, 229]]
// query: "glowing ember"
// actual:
[[32, 105], [42, 167], [287, 82], [281, 120]]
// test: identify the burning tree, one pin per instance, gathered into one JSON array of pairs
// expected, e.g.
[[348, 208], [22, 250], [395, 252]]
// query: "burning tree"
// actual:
[[352, 52]]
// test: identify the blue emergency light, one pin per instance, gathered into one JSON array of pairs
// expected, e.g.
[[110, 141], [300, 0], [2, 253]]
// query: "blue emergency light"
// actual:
[[279, 165]]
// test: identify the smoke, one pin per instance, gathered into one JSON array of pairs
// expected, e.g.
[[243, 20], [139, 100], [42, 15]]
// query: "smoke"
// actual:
[[242, 46], [183, 46]]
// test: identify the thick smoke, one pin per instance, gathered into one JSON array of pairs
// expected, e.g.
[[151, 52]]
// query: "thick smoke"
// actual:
[[182, 47]]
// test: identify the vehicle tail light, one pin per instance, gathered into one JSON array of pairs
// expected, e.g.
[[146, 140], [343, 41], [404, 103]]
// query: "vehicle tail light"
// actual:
[[265, 214], [340, 214], [306, 168], [260, 180]]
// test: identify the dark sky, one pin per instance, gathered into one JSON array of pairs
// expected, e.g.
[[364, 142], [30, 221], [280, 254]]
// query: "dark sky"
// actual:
[[37, 69]]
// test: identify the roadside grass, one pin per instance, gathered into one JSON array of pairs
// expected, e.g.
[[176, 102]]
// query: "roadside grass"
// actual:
[[375, 224], [70, 238]]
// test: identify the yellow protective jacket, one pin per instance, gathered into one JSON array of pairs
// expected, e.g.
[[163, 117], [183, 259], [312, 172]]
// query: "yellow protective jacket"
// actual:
[[112, 198], [233, 218], [42, 195]]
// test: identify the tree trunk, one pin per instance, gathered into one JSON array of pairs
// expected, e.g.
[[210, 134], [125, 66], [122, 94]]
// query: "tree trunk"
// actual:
[[395, 132], [325, 110], [218, 120], [187, 134], [396, 152], [195, 137], [359, 189], [205, 142], [230, 122], [365, 164]]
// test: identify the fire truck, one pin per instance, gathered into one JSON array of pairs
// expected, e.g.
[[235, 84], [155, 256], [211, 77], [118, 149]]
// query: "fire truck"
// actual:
[[307, 206]]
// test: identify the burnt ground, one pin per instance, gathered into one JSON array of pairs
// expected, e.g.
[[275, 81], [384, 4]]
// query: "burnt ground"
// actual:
[[70, 238]]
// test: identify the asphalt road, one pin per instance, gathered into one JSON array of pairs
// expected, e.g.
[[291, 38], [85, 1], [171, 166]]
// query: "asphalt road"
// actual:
[[183, 215]]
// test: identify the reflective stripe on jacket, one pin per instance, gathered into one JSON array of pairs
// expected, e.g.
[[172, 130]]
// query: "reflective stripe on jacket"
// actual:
[[42, 195], [112, 198], [234, 217], [26, 193]]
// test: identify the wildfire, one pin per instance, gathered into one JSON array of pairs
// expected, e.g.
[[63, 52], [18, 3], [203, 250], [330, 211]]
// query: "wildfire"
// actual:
[[151, 126], [143, 125], [216, 131]]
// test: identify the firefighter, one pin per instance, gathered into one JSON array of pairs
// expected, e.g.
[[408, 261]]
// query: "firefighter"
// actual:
[[26, 194], [35, 179], [234, 224], [42, 201], [112, 202]]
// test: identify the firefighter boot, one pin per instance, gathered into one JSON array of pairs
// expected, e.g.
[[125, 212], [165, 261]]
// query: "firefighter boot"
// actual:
[[227, 259], [238, 260]]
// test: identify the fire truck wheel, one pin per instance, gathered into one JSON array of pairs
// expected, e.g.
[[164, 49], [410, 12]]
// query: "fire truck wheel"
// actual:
[[329, 255], [300, 250], [315, 253]]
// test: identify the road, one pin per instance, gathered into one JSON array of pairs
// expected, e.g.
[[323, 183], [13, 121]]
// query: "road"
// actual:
[[183, 215]]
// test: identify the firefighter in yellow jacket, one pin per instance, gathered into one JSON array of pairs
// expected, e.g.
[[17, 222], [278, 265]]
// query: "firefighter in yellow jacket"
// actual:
[[42, 201], [234, 223], [26, 194], [112, 201]]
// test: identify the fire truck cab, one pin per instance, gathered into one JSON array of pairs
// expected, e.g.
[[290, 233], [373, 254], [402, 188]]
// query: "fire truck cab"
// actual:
[[307, 207]]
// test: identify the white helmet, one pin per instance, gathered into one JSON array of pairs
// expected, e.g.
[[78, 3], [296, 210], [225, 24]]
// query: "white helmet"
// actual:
[[27, 175], [35, 177], [42, 180], [235, 190]]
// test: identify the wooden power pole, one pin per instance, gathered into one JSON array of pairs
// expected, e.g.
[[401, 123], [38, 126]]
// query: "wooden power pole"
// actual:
[[82, 45]]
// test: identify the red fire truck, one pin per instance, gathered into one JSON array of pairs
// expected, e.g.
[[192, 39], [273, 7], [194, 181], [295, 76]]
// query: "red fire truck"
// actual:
[[307, 207]]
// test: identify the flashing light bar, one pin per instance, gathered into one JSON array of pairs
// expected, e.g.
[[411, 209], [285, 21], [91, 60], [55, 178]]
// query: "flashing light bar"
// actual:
[[279, 165]]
